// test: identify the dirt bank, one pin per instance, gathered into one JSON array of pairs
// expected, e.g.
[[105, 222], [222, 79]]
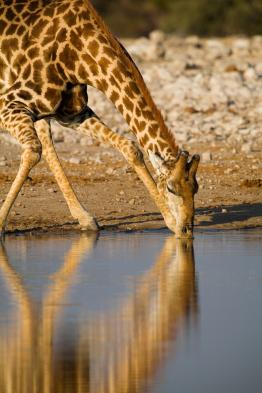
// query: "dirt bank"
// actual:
[[229, 195]]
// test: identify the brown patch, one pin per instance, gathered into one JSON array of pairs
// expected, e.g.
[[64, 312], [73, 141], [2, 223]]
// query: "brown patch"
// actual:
[[162, 144], [114, 97], [128, 118], [154, 128], [49, 11], [93, 48], [54, 76], [70, 17], [10, 15], [34, 86], [61, 35], [104, 64], [109, 52], [51, 95], [39, 27], [19, 7], [102, 39], [138, 112], [88, 29], [25, 95], [133, 86], [37, 67], [94, 69], [41, 107], [3, 25], [140, 125], [33, 5], [120, 108], [144, 140], [129, 92], [69, 57], [114, 82], [8, 46], [16, 86], [82, 73], [87, 59], [11, 29], [148, 115], [33, 52], [76, 41], [105, 85], [128, 104], [26, 72], [20, 60], [20, 30], [120, 78], [62, 8]]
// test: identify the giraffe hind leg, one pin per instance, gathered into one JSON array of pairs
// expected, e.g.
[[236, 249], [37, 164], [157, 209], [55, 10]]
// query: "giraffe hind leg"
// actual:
[[86, 221], [16, 120]]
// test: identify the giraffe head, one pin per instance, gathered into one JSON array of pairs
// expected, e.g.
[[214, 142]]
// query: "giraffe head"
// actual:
[[177, 184]]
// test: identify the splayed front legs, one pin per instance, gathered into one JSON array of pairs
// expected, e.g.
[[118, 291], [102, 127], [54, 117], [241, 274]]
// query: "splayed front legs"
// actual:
[[134, 157]]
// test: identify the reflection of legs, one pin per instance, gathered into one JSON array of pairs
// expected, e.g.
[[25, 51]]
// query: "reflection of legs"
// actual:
[[85, 219], [134, 157], [55, 298], [15, 119]]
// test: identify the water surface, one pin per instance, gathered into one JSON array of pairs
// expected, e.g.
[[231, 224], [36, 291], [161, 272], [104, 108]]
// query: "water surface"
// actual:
[[131, 313]]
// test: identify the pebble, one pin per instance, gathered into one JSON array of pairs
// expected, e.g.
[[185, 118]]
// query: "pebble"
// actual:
[[246, 148], [110, 171], [206, 157], [131, 202], [74, 160], [224, 210], [51, 190]]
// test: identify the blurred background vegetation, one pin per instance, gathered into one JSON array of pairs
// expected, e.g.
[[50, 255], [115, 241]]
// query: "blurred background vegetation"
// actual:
[[202, 17]]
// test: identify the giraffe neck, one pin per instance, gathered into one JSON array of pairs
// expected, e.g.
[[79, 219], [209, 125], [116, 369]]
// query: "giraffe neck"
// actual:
[[107, 66]]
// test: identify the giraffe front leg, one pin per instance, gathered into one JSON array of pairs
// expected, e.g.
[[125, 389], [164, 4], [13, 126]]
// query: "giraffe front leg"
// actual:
[[86, 221], [17, 121], [134, 157]]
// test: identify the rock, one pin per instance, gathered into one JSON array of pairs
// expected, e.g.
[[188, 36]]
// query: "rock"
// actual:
[[206, 157], [131, 202], [74, 160], [224, 210], [246, 148], [51, 190], [157, 36], [110, 171], [146, 50]]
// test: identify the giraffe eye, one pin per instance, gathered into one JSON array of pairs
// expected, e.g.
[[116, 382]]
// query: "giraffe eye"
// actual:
[[173, 188]]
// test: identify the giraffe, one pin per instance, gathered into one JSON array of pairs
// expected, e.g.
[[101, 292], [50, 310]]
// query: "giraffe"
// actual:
[[50, 52], [117, 351]]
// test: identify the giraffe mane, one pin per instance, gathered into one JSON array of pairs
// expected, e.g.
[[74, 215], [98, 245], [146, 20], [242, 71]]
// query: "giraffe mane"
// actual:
[[130, 64]]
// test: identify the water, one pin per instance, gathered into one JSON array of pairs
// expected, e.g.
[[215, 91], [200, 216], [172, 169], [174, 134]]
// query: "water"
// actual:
[[131, 313]]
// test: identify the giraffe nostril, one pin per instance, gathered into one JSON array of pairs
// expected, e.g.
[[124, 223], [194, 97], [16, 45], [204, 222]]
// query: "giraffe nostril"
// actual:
[[187, 229]]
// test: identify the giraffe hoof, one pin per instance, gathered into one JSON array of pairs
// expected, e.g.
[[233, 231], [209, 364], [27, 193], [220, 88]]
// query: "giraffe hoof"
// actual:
[[89, 224]]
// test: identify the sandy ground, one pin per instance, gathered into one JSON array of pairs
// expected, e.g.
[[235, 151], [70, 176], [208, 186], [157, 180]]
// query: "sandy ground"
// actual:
[[230, 194]]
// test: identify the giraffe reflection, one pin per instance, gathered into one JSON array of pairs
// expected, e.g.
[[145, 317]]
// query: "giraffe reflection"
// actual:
[[116, 351]]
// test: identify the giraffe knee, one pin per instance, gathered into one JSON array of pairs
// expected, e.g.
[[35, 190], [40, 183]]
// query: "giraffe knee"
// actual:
[[32, 155], [133, 154]]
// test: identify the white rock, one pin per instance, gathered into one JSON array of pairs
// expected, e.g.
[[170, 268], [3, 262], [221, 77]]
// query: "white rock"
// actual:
[[157, 36], [206, 157], [246, 148], [74, 160]]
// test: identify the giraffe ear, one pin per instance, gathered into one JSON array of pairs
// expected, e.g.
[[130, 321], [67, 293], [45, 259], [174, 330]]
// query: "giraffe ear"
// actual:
[[158, 163]]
